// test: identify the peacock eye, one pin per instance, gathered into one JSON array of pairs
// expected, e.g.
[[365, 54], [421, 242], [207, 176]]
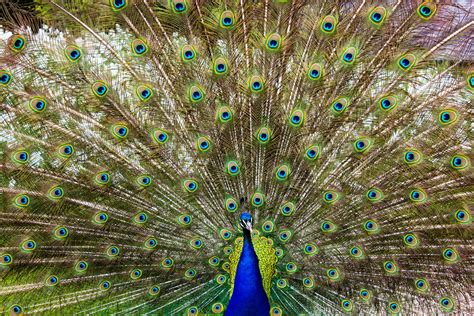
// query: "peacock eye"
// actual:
[[328, 25]]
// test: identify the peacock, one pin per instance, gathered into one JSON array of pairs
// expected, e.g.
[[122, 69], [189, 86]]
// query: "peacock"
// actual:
[[264, 157]]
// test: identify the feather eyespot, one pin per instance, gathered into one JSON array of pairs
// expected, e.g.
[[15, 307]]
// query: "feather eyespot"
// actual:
[[220, 66], [232, 168], [356, 252], [446, 304], [388, 103], [16, 310], [221, 279], [21, 200], [374, 195], [264, 135], [315, 72], [190, 185], [447, 117], [393, 308], [52, 280], [422, 285], [225, 234], [185, 220], [426, 10], [38, 104], [6, 259], [81, 266], [231, 204], [275, 311], [140, 218], [214, 261], [282, 283], [333, 274], [20, 157], [28, 245], [346, 305], [308, 282], [268, 226], [17, 43], [112, 251], [65, 150], [139, 47], [412, 156], [144, 93], [203, 144], [362, 144], [179, 6], [5, 77], [365, 295], [192, 311], [418, 195], [227, 20], [340, 105], [331, 196], [460, 162], [328, 24], [406, 62], [100, 218], [349, 55], [451, 255], [190, 274], [160, 136], [144, 181], [196, 94], [291, 267], [371, 226], [150, 243], [154, 290], [217, 308], [256, 84], [60, 233], [196, 243], [274, 42], [462, 216], [136, 274], [287, 209], [119, 131], [377, 15], [167, 263], [328, 227], [297, 118], [100, 89], [105, 285], [73, 53], [102, 178], [311, 249], [55, 193], [285, 235], [390, 267], [411, 240], [282, 172], [188, 53], [257, 200], [118, 5], [224, 114]]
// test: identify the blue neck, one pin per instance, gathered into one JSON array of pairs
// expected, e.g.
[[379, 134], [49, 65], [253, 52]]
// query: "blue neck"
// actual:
[[249, 297]]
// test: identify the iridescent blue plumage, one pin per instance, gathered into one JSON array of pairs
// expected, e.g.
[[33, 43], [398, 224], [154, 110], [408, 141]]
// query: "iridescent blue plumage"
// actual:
[[249, 297]]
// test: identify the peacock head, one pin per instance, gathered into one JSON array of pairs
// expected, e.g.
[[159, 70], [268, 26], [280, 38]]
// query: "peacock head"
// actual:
[[246, 221]]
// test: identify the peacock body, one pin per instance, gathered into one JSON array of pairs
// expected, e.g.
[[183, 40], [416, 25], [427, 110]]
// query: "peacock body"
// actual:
[[239, 157]]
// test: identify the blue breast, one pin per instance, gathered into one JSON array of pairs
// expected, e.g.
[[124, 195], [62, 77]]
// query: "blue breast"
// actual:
[[249, 297]]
